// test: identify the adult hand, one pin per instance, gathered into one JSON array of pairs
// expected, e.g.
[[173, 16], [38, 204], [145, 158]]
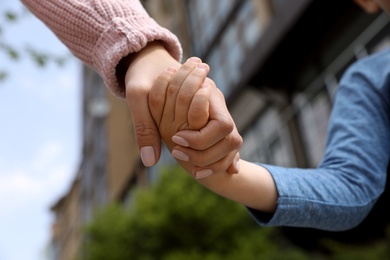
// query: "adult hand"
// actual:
[[145, 66], [216, 145], [178, 102]]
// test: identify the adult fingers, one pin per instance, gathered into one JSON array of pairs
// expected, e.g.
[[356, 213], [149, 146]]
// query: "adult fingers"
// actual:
[[146, 133], [228, 162], [200, 173], [202, 158], [220, 125], [205, 138]]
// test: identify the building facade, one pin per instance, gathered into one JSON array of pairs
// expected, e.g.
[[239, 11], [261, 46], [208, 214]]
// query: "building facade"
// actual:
[[277, 62], [109, 166]]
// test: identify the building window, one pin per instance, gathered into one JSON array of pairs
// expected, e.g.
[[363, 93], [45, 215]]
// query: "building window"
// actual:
[[206, 19], [268, 140], [313, 117], [227, 31], [315, 102], [239, 38]]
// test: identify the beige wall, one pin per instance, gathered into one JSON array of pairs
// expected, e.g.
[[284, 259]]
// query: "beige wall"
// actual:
[[122, 152], [66, 234], [171, 14]]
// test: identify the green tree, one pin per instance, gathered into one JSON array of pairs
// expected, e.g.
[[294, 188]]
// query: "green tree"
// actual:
[[8, 18], [179, 219], [378, 249]]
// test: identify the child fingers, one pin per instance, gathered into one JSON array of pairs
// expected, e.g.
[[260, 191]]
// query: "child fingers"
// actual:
[[198, 113], [157, 95], [190, 86], [234, 167], [177, 82]]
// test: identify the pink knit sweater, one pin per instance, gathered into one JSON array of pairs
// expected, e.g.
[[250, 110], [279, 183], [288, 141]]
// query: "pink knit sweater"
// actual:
[[102, 32]]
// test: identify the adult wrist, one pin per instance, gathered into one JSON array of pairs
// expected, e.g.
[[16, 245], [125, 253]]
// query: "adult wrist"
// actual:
[[143, 67]]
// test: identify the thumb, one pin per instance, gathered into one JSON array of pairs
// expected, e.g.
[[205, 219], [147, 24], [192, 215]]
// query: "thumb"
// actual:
[[146, 133], [198, 114]]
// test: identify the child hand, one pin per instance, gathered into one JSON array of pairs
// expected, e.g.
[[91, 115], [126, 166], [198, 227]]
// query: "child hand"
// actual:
[[186, 107], [216, 145]]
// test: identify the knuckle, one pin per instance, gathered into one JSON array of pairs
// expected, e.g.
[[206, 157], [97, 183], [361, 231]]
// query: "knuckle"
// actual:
[[199, 160], [164, 78], [172, 88], [154, 100], [184, 97], [198, 74], [188, 67], [144, 132], [226, 124], [200, 143], [235, 141], [198, 146], [136, 92]]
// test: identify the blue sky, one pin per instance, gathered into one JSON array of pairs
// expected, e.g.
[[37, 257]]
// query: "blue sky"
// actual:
[[39, 138]]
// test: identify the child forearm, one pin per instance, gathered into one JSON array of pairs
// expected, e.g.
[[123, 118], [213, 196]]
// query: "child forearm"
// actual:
[[253, 186]]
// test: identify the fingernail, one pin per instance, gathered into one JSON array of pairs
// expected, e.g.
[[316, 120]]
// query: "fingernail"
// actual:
[[203, 174], [180, 141], [203, 66], [195, 59], [147, 156], [180, 155]]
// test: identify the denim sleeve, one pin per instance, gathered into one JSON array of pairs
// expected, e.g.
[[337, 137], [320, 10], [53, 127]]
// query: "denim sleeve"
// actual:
[[339, 194]]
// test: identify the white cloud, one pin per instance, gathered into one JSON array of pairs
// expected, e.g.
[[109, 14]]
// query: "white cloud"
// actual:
[[37, 180], [47, 154], [59, 83], [38, 151], [26, 193]]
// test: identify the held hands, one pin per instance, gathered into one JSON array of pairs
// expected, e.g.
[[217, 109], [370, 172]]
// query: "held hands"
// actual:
[[192, 118], [145, 66], [183, 99]]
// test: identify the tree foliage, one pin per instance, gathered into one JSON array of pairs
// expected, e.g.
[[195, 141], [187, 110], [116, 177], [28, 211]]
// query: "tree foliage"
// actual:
[[41, 58], [178, 219]]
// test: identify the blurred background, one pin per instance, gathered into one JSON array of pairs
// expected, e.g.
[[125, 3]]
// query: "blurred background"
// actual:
[[40, 100], [71, 180]]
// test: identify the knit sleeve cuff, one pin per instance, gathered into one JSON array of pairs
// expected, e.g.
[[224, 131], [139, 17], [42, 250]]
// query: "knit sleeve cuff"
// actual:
[[126, 36], [101, 33]]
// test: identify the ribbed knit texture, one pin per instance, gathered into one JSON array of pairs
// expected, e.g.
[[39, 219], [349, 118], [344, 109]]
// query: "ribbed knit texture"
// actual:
[[101, 32]]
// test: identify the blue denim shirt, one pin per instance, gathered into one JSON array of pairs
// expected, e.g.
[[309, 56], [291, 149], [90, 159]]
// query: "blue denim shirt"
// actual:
[[340, 193]]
